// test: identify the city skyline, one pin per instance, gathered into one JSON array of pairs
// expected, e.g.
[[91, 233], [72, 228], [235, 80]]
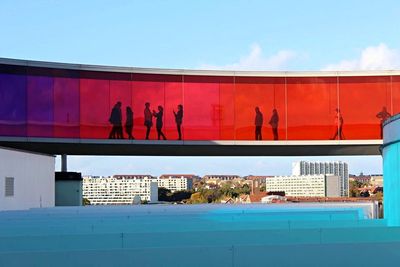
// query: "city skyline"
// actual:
[[243, 166]]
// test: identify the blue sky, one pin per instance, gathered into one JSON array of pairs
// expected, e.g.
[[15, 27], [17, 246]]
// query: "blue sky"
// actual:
[[251, 35]]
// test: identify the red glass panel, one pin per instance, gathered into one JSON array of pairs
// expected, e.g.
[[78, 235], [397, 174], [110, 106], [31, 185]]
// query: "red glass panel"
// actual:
[[395, 103], [202, 108], [362, 101], [95, 108], [311, 108], [66, 107], [227, 110], [147, 89], [121, 91], [267, 94], [173, 98]]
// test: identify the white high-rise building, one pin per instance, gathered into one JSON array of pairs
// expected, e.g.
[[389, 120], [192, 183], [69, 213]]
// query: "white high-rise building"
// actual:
[[305, 185], [337, 168], [119, 189]]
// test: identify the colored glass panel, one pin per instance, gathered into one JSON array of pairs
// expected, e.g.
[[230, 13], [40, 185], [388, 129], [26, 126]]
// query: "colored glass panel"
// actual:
[[40, 108], [147, 89], [311, 108], [13, 105], [266, 94], [202, 108], [66, 107], [227, 108], [173, 98], [121, 91], [94, 108], [362, 101]]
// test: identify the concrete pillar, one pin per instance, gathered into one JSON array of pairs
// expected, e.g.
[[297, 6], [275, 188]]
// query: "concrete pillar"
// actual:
[[64, 163]]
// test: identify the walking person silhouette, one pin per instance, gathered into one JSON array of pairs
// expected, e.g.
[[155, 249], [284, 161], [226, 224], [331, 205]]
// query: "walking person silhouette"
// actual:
[[258, 121], [274, 123], [178, 120], [159, 122], [129, 122], [148, 119], [383, 115], [116, 121], [339, 124]]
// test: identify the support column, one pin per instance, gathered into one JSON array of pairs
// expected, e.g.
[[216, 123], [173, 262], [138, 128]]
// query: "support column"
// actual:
[[64, 163]]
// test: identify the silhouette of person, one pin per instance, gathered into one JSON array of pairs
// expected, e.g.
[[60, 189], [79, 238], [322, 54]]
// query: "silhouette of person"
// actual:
[[129, 122], [178, 120], [116, 121], [159, 122], [383, 115], [258, 123], [339, 124], [148, 119], [274, 123]]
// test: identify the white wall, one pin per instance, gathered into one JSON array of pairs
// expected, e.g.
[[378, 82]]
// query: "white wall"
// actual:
[[33, 179]]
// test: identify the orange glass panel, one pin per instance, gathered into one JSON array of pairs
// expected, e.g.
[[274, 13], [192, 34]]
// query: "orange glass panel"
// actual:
[[311, 108], [268, 94], [363, 102]]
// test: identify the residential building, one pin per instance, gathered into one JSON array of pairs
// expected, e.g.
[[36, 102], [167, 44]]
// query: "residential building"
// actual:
[[176, 182], [256, 182], [119, 189], [337, 168], [305, 185], [376, 180], [221, 177], [364, 179]]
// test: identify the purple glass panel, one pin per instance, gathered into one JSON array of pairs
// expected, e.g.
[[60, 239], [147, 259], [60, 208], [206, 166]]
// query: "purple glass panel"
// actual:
[[66, 107], [13, 105], [40, 106]]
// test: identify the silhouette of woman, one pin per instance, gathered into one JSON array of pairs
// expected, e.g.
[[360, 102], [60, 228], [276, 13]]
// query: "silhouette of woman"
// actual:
[[258, 123], [148, 119], [116, 121], [178, 120], [129, 122], [339, 124], [159, 122], [383, 115], [274, 123]]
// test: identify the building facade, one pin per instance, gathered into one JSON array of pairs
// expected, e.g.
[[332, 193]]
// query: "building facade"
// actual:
[[26, 180], [221, 177], [176, 182], [305, 185], [119, 189], [337, 168]]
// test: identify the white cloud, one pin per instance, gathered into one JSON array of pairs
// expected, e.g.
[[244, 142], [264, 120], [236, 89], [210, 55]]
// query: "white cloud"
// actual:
[[379, 57], [256, 61]]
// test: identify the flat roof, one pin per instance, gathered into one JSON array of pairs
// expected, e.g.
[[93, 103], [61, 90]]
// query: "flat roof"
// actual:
[[88, 67]]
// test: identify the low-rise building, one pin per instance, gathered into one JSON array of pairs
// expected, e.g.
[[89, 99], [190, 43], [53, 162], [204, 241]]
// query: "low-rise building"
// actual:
[[361, 178], [305, 185], [221, 177], [176, 182], [376, 180]]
